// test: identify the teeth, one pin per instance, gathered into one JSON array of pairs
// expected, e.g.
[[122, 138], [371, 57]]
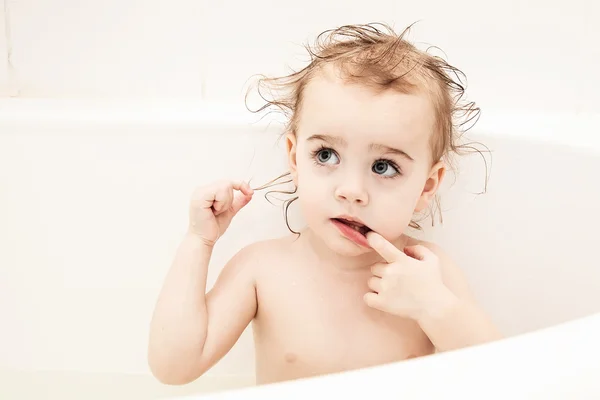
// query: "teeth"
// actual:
[[357, 227]]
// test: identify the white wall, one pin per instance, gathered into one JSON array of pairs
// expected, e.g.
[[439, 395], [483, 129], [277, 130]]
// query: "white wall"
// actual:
[[3, 54], [517, 54]]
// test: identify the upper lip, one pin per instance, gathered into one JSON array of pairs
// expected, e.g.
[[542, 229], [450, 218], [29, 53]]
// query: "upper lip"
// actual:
[[351, 219]]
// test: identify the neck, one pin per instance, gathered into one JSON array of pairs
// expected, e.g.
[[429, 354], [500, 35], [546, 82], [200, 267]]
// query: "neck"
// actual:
[[323, 254]]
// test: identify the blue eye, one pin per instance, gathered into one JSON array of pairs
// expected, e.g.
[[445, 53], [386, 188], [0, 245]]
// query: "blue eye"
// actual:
[[385, 168], [327, 156]]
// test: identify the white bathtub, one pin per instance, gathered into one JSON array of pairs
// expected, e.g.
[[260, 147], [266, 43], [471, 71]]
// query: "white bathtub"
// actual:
[[93, 202]]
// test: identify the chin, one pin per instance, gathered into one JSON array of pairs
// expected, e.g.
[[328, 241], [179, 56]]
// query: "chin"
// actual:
[[348, 249], [342, 246]]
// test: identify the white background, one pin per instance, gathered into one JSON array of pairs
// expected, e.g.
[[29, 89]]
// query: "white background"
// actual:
[[535, 54]]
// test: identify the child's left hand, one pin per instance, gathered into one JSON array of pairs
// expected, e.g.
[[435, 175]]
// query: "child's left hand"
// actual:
[[410, 283]]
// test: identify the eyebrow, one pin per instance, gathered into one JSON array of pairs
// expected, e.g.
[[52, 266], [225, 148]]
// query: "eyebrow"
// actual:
[[373, 146]]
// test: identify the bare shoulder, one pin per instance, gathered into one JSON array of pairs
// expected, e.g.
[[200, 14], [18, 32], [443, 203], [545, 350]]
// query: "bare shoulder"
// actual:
[[256, 255], [267, 249], [452, 274]]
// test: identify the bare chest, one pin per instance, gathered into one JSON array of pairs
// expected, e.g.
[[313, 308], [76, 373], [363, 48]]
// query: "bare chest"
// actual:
[[314, 324]]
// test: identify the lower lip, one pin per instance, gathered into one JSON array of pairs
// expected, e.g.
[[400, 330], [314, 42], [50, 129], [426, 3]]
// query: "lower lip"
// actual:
[[351, 234]]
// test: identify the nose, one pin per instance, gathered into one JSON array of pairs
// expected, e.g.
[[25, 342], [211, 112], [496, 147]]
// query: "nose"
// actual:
[[353, 192]]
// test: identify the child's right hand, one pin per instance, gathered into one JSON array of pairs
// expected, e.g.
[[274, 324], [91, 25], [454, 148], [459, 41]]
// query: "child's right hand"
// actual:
[[213, 207]]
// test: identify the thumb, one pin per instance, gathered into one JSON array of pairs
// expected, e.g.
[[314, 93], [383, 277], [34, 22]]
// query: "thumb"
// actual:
[[240, 202], [418, 252]]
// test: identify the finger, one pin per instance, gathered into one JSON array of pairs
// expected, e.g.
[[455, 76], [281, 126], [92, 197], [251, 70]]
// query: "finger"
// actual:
[[242, 186], [373, 300], [374, 284], [246, 189], [378, 269], [223, 199], [388, 251], [240, 201], [237, 185], [418, 252]]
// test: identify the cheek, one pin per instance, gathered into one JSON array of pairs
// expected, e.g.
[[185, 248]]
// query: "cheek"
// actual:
[[402, 196], [399, 210], [304, 162], [310, 175], [399, 205], [313, 187]]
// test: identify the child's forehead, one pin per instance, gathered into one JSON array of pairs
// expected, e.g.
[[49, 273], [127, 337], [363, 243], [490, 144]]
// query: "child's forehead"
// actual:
[[356, 111]]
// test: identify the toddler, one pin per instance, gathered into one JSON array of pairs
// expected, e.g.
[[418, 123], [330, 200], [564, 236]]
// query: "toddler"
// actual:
[[372, 124]]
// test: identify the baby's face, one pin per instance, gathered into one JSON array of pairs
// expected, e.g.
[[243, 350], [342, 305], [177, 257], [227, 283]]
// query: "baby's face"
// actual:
[[363, 156]]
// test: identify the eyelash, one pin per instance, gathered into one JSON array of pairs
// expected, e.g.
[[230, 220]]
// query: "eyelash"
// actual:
[[393, 165], [314, 154]]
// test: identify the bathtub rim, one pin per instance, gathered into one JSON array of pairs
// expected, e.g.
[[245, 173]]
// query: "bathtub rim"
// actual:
[[585, 329]]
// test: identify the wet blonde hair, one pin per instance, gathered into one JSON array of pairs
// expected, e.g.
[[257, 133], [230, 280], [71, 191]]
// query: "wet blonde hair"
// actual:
[[376, 56]]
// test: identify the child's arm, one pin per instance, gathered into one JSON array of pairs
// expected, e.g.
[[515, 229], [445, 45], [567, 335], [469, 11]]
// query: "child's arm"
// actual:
[[423, 284], [191, 331], [457, 321]]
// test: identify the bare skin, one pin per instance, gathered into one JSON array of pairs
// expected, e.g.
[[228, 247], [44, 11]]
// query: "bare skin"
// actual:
[[309, 316], [312, 319], [328, 301]]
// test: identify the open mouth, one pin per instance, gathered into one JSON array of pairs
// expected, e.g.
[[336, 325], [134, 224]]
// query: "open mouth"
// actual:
[[360, 228]]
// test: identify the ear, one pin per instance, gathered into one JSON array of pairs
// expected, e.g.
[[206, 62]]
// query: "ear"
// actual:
[[291, 143], [436, 175]]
